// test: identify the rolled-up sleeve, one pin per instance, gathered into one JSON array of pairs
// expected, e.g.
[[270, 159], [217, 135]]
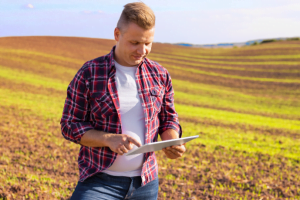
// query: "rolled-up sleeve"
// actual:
[[168, 116], [75, 118]]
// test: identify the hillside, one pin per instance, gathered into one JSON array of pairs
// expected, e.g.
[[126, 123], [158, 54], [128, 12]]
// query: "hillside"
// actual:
[[243, 102]]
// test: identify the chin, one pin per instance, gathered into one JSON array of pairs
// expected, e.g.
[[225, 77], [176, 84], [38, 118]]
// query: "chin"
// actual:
[[136, 62]]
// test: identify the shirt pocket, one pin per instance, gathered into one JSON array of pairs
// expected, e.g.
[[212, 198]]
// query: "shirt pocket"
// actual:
[[102, 105], [157, 94]]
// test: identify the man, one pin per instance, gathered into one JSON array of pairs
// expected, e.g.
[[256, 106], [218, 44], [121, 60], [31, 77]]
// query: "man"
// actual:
[[118, 102]]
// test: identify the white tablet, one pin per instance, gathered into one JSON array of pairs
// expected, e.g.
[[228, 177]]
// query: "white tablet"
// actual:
[[156, 146]]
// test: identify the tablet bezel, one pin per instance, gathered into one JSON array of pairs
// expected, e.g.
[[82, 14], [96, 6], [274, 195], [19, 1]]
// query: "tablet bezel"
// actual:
[[156, 146]]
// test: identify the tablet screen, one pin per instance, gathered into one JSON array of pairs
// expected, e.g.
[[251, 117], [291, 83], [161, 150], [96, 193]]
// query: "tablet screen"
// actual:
[[156, 146]]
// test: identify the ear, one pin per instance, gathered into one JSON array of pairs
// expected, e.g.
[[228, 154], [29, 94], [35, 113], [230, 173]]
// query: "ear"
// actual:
[[117, 34]]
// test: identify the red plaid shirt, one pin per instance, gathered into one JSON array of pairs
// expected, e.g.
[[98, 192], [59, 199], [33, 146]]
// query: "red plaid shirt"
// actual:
[[92, 103]]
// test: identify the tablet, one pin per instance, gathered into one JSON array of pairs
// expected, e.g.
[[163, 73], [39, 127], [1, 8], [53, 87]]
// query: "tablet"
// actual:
[[156, 146]]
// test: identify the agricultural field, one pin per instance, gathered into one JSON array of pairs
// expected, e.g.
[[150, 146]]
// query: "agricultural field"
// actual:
[[244, 103]]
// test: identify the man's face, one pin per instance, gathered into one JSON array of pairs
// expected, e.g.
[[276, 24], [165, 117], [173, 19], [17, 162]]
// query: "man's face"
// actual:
[[133, 44]]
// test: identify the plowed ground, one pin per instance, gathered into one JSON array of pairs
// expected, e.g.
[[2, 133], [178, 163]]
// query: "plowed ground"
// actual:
[[243, 103]]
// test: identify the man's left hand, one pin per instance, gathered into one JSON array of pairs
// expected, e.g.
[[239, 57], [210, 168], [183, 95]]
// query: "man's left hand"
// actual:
[[174, 152]]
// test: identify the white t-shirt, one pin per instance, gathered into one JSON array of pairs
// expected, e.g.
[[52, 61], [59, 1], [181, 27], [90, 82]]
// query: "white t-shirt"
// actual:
[[132, 121]]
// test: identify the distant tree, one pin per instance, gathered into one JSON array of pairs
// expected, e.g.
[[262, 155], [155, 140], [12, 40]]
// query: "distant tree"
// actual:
[[268, 41], [293, 39]]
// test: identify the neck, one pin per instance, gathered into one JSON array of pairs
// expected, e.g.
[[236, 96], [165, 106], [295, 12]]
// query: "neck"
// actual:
[[118, 58]]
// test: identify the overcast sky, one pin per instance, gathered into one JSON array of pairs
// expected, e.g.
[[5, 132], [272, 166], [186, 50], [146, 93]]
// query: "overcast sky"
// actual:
[[189, 21]]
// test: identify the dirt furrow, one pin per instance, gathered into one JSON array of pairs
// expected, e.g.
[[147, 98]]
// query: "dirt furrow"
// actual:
[[235, 83], [22, 87], [273, 115], [245, 127]]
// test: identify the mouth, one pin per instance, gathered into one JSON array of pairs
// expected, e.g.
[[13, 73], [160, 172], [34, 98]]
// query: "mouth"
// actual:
[[138, 57]]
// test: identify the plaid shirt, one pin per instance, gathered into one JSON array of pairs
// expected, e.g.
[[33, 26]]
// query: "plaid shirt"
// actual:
[[92, 103]]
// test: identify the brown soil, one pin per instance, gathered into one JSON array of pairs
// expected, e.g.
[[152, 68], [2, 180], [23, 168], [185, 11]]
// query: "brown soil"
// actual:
[[25, 140], [245, 73], [231, 82], [201, 173], [227, 174], [251, 64], [34, 154], [23, 87], [239, 111], [165, 55], [263, 130], [80, 48], [276, 48], [29, 67]]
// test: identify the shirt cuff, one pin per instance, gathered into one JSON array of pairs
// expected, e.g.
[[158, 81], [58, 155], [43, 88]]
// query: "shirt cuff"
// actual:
[[79, 129], [171, 125]]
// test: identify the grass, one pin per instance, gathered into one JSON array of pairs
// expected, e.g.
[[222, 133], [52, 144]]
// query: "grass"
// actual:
[[201, 57], [248, 144], [246, 105], [208, 61], [21, 76], [233, 76], [243, 140], [31, 64], [230, 117], [207, 95], [41, 105], [40, 54]]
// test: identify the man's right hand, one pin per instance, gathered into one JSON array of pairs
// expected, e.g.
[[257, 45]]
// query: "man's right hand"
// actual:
[[120, 143]]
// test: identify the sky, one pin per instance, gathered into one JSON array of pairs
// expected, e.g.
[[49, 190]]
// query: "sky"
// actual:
[[187, 21]]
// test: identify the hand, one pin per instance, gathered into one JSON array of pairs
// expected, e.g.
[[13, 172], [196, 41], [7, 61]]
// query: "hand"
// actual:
[[174, 152], [121, 143]]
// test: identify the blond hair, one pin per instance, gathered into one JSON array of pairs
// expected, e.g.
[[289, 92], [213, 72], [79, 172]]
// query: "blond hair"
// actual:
[[138, 13]]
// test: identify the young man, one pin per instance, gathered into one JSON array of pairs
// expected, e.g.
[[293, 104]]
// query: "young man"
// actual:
[[118, 102]]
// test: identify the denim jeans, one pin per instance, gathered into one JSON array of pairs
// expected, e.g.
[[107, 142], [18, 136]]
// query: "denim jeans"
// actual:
[[103, 186]]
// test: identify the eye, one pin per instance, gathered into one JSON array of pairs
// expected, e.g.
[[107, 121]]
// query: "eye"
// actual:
[[147, 44], [134, 43]]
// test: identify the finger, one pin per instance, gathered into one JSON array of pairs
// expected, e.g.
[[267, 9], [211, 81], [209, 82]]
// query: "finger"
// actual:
[[134, 141], [175, 146], [124, 149], [179, 148], [120, 151], [172, 152], [172, 147], [170, 155], [177, 154], [128, 145], [175, 151]]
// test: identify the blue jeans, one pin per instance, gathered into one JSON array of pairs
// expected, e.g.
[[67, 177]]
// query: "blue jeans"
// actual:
[[103, 186]]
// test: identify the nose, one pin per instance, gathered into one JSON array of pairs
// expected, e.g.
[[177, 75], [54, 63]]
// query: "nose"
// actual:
[[142, 49]]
